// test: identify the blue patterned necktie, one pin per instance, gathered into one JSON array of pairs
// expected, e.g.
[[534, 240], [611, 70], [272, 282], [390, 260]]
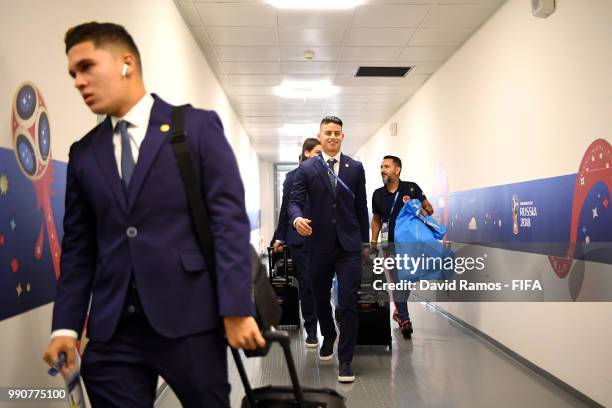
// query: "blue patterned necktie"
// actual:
[[127, 159], [332, 179]]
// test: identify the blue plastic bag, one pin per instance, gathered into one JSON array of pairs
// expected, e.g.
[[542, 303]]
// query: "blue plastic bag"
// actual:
[[417, 243]]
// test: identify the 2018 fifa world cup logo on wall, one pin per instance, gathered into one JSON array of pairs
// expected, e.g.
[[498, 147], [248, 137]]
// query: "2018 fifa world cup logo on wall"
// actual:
[[515, 206], [32, 145]]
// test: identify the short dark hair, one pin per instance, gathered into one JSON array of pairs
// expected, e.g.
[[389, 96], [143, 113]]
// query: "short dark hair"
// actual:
[[308, 145], [396, 160], [100, 34], [331, 119]]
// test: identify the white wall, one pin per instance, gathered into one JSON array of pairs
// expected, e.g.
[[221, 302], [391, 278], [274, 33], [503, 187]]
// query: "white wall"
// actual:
[[521, 100], [266, 178], [31, 48]]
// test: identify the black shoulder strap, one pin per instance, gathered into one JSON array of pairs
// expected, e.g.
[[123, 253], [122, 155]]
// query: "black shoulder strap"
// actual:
[[197, 206]]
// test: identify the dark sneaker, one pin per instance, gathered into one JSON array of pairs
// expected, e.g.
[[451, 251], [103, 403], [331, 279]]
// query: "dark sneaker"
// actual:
[[312, 341], [406, 327], [327, 348], [345, 373]]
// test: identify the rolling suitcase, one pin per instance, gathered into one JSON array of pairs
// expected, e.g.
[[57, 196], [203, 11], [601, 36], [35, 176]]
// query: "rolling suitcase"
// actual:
[[287, 293], [284, 396], [374, 314], [374, 322]]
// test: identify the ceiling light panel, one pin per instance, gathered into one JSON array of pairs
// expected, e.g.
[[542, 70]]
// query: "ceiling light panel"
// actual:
[[315, 4]]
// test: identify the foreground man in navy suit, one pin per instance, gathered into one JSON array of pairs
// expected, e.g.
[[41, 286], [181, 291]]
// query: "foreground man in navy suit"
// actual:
[[333, 184], [130, 245]]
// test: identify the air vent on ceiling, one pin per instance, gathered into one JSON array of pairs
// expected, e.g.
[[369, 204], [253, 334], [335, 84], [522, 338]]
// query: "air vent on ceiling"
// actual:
[[382, 71]]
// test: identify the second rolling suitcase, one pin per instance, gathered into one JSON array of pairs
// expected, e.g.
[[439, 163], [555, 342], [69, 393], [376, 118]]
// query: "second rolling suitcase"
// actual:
[[287, 293], [374, 314]]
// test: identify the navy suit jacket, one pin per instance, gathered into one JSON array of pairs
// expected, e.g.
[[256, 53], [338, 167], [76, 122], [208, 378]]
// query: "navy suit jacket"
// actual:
[[334, 216], [284, 231], [161, 250]]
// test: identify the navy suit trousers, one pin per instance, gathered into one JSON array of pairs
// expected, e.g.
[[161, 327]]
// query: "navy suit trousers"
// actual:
[[122, 372], [307, 303], [347, 266]]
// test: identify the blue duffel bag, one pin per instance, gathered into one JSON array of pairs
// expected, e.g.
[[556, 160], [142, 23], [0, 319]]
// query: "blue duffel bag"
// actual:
[[418, 236]]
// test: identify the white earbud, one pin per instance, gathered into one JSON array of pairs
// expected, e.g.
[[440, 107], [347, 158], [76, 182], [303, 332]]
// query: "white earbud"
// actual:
[[124, 70]]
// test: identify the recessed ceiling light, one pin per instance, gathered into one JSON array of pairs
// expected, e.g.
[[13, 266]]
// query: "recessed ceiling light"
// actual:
[[309, 55], [315, 4], [305, 89]]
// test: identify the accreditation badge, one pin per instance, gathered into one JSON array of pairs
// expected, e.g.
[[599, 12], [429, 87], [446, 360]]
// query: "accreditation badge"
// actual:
[[384, 232]]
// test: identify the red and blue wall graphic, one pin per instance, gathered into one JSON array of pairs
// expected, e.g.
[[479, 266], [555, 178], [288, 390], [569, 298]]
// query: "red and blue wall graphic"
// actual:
[[565, 218], [32, 187]]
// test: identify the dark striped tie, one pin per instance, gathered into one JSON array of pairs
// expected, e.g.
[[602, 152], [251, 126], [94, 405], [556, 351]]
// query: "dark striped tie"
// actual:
[[332, 179]]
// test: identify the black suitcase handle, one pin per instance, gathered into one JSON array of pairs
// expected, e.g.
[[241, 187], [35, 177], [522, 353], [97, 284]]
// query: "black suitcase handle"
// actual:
[[285, 262], [281, 337]]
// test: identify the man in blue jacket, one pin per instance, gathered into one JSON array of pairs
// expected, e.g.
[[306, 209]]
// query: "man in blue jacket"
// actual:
[[333, 184], [286, 235], [130, 247]]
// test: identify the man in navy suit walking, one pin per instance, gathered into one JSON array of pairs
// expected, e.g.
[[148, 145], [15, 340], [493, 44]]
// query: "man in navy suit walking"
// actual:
[[333, 184], [129, 244], [286, 235]]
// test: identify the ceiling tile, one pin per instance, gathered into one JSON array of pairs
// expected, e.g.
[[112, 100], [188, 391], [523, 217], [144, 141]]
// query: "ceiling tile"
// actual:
[[307, 114], [368, 98], [376, 2], [378, 90], [426, 53], [348, 80], [345, 106], [371, 53], [310, 37], [389, 37], [460, 15], [252, 90], [350, 67], [311, 68], [190, 13], [250, 68], [441, 36], [254, 79], [268, 112], [497, 2], [313, 18], [321, 53], [247, 53], [389, 15], [255, 98], [259, 106], [264, 119], [387, 108], [237, 15], [421, 67], [242, 36]]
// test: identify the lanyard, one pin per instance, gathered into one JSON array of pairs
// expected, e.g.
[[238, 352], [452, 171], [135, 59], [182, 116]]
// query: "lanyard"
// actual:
[[393, 205], [338, 179]]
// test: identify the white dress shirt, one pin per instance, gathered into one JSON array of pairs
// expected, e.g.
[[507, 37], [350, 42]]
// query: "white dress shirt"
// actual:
[[138, 117], [336, 164]]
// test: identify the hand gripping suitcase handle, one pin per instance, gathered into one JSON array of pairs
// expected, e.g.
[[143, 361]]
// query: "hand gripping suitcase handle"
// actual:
[[281, 337]]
